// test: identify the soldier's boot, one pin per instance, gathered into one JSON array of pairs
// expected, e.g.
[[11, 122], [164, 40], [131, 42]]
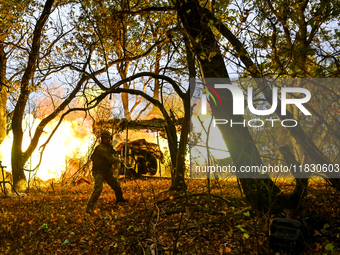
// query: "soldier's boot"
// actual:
[[90, 204], [121, 200], [114, 184], [89, 210], [119, 195]]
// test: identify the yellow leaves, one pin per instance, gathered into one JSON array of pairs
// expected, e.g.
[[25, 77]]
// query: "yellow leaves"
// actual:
[[230, 233], [211, 55], [31, 222], [337, 112], [225, 250], [228, 250], [318, 247], [203, 56], [58, 50]]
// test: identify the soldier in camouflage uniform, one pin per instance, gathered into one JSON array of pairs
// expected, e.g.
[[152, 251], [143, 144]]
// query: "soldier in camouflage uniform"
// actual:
[[102, 159]]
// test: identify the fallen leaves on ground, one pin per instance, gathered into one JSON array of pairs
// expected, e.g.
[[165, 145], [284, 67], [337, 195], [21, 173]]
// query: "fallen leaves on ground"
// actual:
[[53, 221]]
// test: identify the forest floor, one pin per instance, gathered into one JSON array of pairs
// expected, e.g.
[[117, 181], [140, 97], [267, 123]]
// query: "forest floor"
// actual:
[[52, 220]]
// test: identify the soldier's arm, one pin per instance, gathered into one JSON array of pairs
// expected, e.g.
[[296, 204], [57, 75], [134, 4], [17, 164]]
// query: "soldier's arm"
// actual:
[[107, 155], [113, 159]]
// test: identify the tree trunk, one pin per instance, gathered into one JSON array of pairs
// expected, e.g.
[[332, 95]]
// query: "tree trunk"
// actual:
[[297, 132], [178, 182], [18, 158], [19, 178], [301, 185], [3, 94], [123, 68], [260, 193], [157, 89], [172, 142]]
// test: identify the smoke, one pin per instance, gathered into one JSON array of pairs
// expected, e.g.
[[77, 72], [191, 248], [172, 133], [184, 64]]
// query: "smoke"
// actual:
[[71, 140]]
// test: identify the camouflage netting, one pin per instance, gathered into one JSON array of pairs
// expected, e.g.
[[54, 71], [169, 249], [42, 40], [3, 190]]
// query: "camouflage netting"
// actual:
[[142, 144], [119, 125]]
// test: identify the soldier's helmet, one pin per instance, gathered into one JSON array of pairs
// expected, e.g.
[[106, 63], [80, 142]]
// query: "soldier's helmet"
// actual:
[[105, 134]]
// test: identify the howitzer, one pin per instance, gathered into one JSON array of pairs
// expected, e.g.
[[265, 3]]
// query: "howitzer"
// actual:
[[142, 157]]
